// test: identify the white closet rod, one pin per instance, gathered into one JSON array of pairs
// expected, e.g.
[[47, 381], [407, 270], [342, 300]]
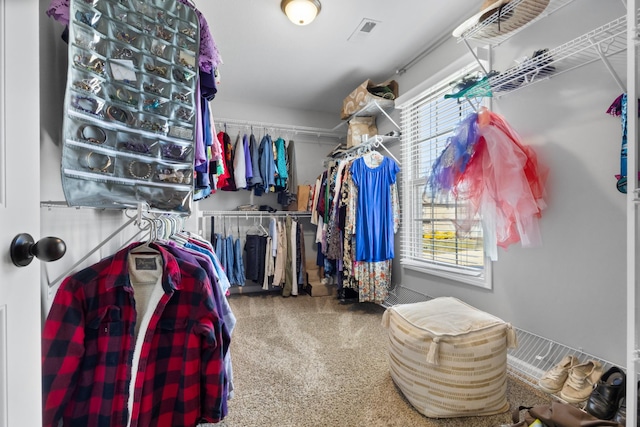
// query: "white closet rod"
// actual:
[[372, 143], [254, 214], [298, 130]]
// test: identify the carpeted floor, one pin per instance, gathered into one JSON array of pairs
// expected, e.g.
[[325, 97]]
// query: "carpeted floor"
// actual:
[[311, 361]]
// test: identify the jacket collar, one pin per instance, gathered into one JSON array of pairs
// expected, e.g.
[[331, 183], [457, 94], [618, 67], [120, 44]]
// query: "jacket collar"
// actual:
[[118, 273]]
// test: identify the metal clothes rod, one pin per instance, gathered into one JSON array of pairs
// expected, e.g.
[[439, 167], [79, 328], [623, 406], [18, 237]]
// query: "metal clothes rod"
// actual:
[[256, 214], [329, 133], [91, 252], [371, 143]]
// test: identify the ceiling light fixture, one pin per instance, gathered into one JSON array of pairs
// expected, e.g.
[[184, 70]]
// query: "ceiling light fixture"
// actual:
[[301, 12]]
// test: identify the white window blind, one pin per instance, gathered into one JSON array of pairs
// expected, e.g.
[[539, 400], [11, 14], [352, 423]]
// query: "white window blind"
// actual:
[[429, 239]]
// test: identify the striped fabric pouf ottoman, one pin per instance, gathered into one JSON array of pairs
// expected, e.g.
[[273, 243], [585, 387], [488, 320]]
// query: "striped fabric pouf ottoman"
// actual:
[[448, 358]]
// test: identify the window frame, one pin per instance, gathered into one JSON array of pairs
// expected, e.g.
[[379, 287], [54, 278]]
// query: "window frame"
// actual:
[[412, 201]]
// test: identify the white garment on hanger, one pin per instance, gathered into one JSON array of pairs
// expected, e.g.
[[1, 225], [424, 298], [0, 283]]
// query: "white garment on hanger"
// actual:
[[239, 164]]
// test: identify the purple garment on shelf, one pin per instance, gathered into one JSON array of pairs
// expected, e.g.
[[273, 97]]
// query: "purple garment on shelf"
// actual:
[[59, 10], [209, 55]]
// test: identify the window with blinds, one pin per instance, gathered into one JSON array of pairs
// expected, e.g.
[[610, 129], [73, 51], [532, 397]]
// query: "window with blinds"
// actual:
[[430, 241]]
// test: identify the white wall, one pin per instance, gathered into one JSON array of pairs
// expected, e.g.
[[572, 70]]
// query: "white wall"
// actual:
[[572, 289]]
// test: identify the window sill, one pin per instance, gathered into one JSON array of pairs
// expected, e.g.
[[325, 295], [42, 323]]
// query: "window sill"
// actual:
[[481, 280]]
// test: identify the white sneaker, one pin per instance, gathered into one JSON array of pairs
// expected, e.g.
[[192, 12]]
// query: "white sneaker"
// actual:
[[553, 380], [580, 381]]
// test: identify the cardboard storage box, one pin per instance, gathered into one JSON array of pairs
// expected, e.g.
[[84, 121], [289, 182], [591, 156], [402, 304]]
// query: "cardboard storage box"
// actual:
[[320, 290], [360, 129], [363, 95], [314, 285]]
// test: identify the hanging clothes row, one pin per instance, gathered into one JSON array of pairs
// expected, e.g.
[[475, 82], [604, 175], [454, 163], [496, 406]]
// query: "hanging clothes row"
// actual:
[[141, 338], [262, 165], [356, 209], [272, 257]]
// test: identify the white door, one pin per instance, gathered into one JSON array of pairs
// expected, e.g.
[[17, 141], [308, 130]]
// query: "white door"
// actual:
[[20, 373]]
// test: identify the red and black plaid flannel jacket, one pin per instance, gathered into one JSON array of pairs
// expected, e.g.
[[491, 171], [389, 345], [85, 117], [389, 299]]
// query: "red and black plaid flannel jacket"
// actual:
[[88, 347]]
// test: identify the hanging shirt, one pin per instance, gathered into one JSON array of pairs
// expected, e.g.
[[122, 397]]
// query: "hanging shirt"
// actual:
[[374, 211], [230, 184], [281, 164], [88, 348], [266, 163], [254, 148], [224, 176], [247, 160], [239, 164]]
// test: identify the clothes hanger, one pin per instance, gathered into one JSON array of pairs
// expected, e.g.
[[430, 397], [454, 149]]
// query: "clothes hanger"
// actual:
[[257, 226], [144, 248]]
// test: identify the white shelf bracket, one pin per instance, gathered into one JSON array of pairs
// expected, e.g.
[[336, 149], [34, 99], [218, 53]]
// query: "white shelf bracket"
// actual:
[[484, 50], [387, 115], [607, 64]]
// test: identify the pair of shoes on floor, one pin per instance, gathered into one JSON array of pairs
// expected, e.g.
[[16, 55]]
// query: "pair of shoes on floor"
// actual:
[[605, 400], [573, 379]]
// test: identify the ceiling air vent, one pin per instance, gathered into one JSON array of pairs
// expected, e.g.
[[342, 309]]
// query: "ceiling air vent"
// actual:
[[364, 29]]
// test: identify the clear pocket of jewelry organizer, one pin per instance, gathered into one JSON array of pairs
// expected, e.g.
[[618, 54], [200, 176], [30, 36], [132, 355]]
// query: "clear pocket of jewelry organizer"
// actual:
[[89, 132], [123, 71], [91, 18], [106, 193], [87, 104], [156, 105], [88, 61], [173, 174], [120, 114], [126, 34], [88, 39], [181, 130], [136, 144], [183, 113], [153, 124], [135, 168], [166, 199], [121, 94], [88, 159], [160, 49], [156, 67], [176, 152], [183, 95], [144, 7], [123, 52], [154, 86], [183, 76], [87, 83]]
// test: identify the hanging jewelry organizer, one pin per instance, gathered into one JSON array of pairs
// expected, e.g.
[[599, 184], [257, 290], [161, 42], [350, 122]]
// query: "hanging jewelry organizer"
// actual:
[[131, 101]]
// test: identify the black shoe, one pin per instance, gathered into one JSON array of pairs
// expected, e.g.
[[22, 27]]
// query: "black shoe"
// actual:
[[620, 416], [605, 397]]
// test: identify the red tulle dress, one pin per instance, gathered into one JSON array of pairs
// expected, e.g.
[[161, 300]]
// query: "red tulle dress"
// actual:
[[501, 179]]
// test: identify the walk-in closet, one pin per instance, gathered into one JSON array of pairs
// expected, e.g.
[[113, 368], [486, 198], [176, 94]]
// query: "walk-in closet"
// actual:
[[314, 213]]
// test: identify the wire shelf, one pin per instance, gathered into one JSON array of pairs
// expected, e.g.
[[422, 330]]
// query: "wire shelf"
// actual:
[[504, 23], [602, 43]]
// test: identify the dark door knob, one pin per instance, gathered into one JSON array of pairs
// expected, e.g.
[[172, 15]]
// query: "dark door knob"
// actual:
[[23, 249]]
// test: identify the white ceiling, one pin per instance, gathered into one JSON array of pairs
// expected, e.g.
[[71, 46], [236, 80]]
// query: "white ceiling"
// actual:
[[270, 61]]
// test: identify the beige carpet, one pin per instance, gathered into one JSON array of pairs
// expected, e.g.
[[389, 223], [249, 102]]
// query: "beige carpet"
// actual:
[[312, 361]]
